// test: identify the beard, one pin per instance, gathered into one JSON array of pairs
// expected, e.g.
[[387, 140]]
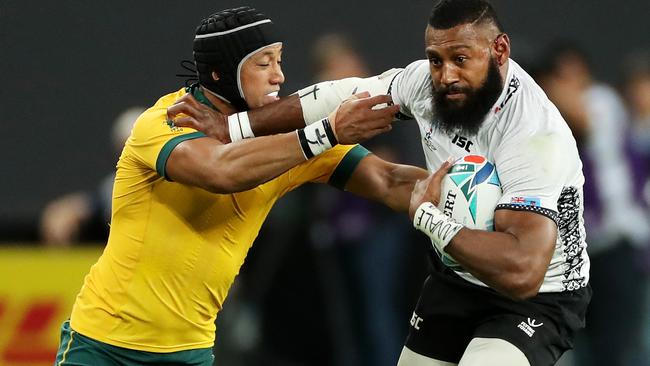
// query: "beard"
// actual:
[[466, 118]]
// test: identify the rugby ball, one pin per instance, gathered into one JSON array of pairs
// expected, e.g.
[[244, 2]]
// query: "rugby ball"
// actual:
[[469, 194]]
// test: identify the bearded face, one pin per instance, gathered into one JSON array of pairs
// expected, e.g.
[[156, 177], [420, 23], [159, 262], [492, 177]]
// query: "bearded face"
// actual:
[[464, 115]]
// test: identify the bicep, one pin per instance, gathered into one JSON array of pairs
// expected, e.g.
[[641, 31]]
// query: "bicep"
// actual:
[[535, 233], [192, 162]]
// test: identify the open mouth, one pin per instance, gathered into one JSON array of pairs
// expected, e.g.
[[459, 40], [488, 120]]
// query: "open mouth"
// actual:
[[273, 94]]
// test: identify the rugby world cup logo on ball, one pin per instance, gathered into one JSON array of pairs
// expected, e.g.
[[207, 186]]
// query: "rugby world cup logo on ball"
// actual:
[[469, 194]]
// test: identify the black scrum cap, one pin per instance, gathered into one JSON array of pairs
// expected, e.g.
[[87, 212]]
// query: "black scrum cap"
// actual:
[[223, 42]]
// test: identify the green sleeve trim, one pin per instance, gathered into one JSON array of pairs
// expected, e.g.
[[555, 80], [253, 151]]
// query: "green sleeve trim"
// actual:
[[167, 149], [346, 166]]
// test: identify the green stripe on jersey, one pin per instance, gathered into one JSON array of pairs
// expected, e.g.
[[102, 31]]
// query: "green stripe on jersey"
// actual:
[[346, 166], [167, 149]]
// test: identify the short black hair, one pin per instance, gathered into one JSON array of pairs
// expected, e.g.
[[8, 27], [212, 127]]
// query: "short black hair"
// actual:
[[450, 13]]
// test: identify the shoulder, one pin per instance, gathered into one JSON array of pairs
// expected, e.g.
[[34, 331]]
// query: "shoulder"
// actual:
[[153, 121], [412, 86], [154, 137], [416, 74], [525, 110]]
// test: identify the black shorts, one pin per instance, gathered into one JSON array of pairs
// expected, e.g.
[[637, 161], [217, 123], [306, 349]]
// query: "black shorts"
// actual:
[[452, 311]]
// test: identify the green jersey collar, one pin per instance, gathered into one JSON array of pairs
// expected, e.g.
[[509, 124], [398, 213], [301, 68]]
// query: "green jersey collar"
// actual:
[[195, 90]]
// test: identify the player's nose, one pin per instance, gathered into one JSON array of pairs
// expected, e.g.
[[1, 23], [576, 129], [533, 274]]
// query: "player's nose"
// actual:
[[277, 77], [449, 74]]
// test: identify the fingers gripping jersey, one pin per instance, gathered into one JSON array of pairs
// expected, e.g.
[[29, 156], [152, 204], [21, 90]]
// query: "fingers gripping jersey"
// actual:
[[174, 250], [535, 155]]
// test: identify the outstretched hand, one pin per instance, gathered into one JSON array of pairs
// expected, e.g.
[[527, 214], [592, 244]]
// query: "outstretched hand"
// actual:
[[355, 120], [428, 190], [188, 112]]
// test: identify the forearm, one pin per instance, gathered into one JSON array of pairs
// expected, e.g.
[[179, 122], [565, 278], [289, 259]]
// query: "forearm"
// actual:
[[247, 164], [385, 182], [513, 259], [312, 103], [495, 258], [282, 116], [238, 166], [399, 185]]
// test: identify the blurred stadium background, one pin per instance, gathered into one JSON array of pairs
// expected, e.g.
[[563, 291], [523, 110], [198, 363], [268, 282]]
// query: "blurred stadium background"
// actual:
[[331, 280]]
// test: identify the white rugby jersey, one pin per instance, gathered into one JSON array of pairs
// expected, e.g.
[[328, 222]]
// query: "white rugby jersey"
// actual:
[[535, 155]]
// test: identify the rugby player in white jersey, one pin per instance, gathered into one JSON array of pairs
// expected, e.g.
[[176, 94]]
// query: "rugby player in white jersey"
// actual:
[[522, 291]]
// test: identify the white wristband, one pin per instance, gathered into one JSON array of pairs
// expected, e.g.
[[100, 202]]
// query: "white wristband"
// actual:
[[239, 127], [316, 138], [440, 228]]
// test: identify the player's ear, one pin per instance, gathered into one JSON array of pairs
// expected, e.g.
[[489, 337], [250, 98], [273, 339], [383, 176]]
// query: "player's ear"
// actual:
[[215, 75], [501, 48]]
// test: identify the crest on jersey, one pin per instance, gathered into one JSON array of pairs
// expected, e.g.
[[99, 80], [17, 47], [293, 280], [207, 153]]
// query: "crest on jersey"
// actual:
[[513, 86], [172, 126], [428, 140]]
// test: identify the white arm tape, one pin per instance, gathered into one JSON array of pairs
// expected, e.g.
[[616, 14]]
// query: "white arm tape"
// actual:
[[239, 127], [440, 228], [319, 100], [316, 138]]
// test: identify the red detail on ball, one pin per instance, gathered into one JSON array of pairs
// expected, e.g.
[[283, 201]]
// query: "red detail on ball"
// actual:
[[477, 159]]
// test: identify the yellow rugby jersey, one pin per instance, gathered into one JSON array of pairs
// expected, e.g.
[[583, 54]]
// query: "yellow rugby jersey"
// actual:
[[174, 250]]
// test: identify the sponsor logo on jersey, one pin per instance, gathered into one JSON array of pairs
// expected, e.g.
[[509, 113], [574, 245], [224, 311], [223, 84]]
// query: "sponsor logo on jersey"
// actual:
[[528, 327], [462, 142]]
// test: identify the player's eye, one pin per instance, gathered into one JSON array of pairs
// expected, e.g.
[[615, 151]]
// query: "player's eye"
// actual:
[[461, 59], [435, 61]]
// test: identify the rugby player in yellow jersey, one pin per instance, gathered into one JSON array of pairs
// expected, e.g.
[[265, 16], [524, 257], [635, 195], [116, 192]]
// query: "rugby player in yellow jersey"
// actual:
[[186, 207]]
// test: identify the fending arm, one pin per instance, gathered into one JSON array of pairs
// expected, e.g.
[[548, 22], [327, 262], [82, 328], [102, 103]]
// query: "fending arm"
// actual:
[[388, 183], [226, 168], [314, 102]]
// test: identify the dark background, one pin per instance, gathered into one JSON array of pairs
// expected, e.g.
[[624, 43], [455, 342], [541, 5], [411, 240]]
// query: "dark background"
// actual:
[[69, 67]]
